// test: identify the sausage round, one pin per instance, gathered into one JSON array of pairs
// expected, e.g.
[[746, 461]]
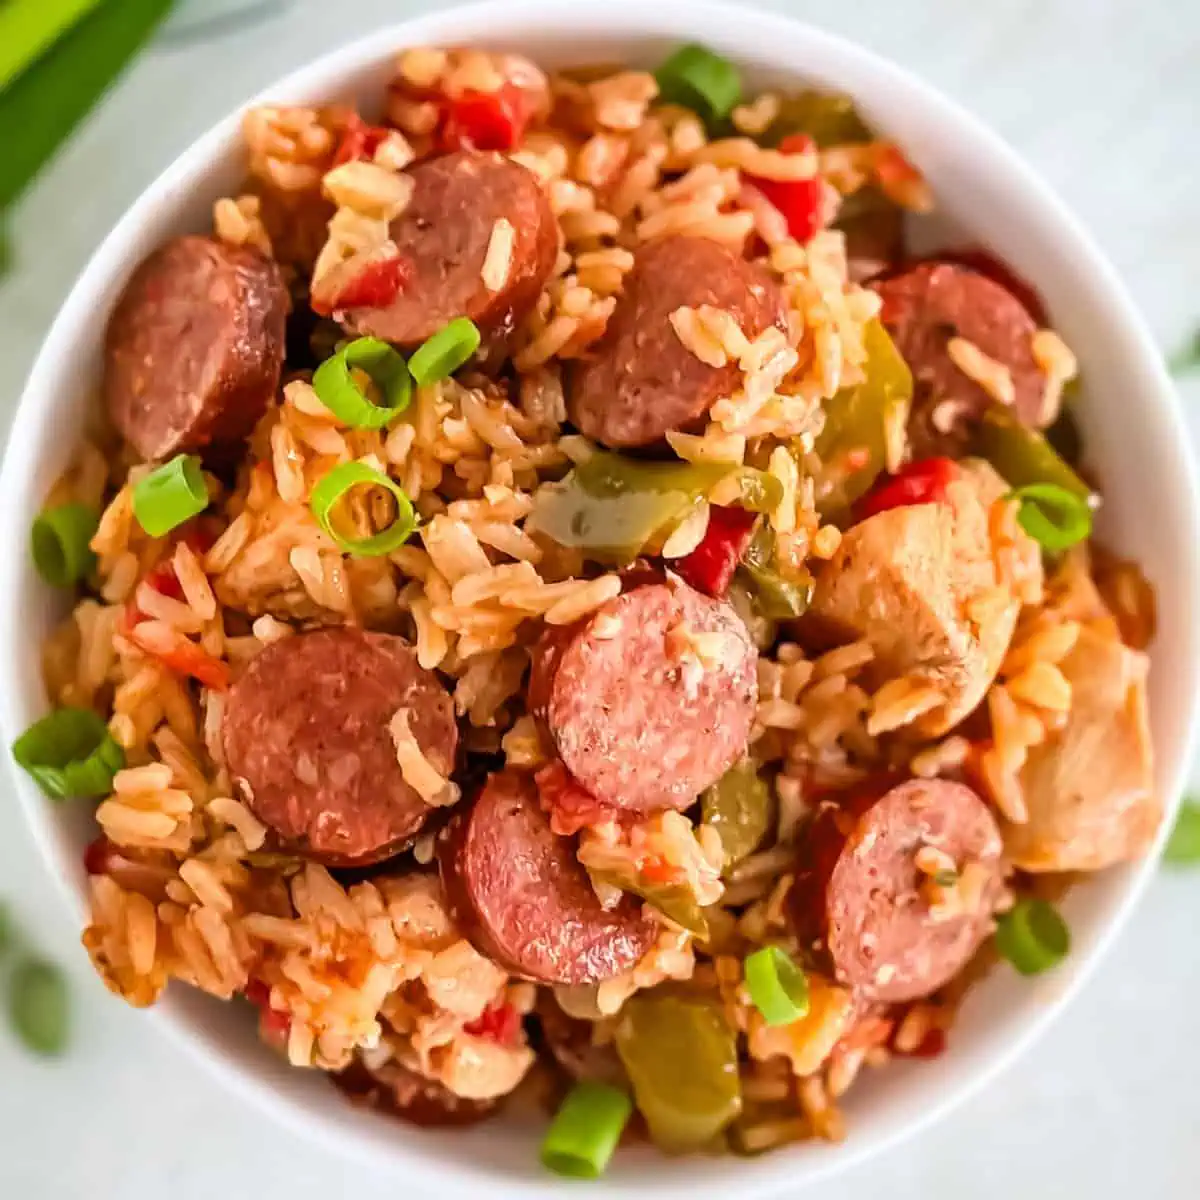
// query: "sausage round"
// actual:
[[444, 235], [645, 708], [642, 382], [520, 895], [923, 309], [399, 1090], [194, 346], [858, 898], [307, 742]]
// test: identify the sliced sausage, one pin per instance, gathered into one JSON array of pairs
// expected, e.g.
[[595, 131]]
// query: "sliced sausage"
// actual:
[[398, 1090], [642, 382], [444, 234], [1089, 788], [934, 589], [862, 904], [927, 306], [520, 895], [307, 742], [650, 698], [194, 347]]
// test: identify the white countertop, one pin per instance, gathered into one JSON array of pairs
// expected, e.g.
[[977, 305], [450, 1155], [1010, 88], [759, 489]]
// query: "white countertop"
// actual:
[[1102, 96]]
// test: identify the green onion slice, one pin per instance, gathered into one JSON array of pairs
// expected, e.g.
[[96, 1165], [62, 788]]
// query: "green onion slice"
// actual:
[[1052, 516], [170, 495], [1183, 846], [335, 385], [334, 487], [1032, 936], [585, 1130], [700, 80], [70, 753], [37, 1006], [778, 987], [441, 355], [59, 541]]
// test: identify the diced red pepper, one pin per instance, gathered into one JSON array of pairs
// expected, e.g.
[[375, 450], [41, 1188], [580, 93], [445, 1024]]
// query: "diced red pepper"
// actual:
[[359, 140], [923, 482], [374, 284], [569, 805], [986, 263], [274, 1024], [190, 659], [799, 200], [499, 1023], [710, 567], [485, 120]]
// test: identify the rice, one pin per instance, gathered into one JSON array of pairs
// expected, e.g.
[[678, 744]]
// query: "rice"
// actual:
[[993, 376]]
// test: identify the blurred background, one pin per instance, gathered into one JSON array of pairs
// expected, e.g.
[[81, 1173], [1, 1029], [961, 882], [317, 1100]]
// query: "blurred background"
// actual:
[[1101, 96]]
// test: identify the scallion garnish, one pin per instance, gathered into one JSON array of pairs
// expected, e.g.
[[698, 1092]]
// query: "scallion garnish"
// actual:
[[37, 1006], [59, 542], [170, 495], [70, 753], [334, 487], [700, 80], [1032, 936], [442, 354], [1183, 846], [339, 391], [585, 1130], [1055, 518], [777, 986], [1187, 358]]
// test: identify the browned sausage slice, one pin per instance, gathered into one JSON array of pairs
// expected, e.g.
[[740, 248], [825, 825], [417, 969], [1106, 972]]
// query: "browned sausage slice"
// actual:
[[650, 698], [642, 382], [398, 1090], [308, 745], [923, 309], [518, 892], [863, 904], [194, 347], [444, 235]]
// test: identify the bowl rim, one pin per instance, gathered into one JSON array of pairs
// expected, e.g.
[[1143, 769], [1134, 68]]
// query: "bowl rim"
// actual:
[[742, 33]]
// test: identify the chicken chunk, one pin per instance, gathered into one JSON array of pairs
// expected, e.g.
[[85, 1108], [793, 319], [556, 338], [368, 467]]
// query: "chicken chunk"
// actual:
[[1088, 788], [935, 588]]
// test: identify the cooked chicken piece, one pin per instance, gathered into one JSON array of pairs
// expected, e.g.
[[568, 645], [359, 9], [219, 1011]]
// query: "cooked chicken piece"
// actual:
[[1088, 787], [935, 588]]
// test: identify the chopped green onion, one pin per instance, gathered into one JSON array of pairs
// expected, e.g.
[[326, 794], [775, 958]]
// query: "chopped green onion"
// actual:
[[441, 355], [778, 988], [343, 479], [37, 1006], [170, 495], [337, 389], [59, 541], [7, 932], [1183, 846], [1032, 936], [585, 1130], [1187, 357], [1052, 516], [700, 80], [70, 753]]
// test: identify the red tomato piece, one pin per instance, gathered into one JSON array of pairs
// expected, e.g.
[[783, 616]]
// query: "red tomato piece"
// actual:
[[190, 659], [498, 1023], [485, 120], [710, 567], [801, 201], [923, 482]]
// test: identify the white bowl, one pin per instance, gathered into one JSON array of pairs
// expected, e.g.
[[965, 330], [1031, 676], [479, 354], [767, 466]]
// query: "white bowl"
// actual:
[[1134, 434]]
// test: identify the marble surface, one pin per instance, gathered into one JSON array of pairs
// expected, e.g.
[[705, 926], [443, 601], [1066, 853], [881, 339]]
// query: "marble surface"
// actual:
[[1101, 95]]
